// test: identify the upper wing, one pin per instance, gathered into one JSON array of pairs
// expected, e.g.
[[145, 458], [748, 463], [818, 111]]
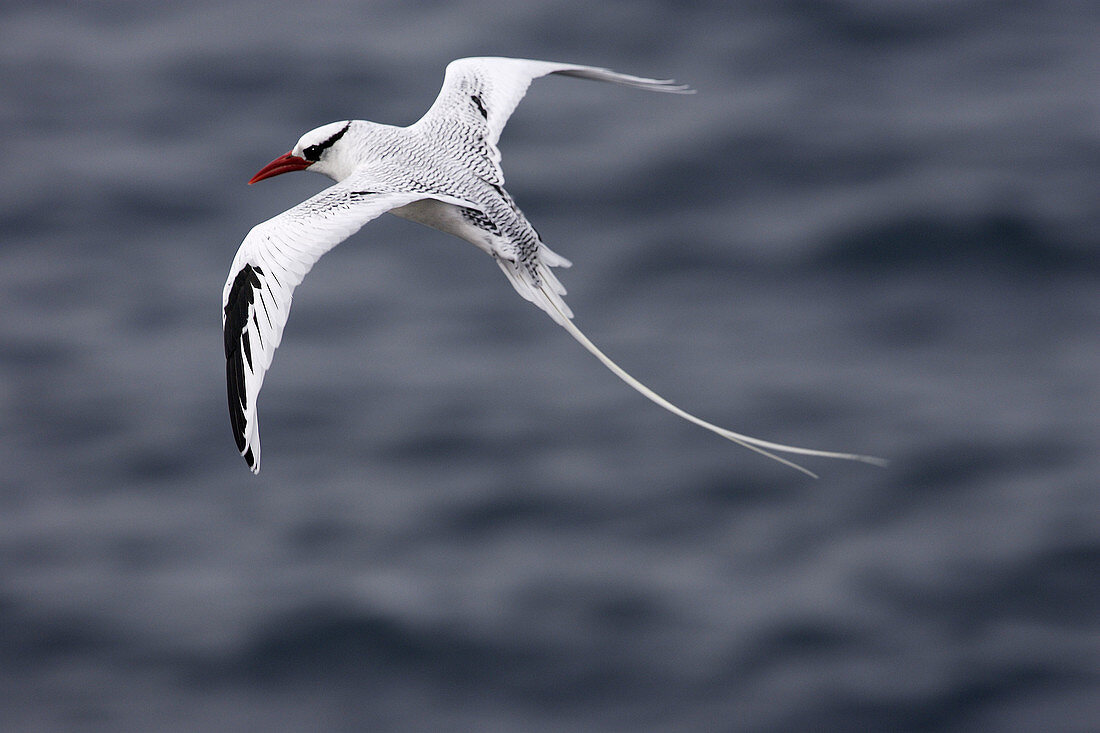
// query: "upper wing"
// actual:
[[480, 94], [270, 263]]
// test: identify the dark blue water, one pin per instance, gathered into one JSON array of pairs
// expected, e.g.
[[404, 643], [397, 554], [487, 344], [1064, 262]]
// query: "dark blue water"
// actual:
[[874, 229]]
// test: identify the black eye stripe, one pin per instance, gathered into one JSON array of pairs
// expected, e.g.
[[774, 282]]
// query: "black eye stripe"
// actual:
[[313, 152]]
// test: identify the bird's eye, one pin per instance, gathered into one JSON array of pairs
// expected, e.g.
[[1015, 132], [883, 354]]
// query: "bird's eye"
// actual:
[[313, 152]]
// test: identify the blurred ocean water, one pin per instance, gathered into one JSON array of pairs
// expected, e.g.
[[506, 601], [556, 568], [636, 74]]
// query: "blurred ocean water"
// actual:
[[873, 229]]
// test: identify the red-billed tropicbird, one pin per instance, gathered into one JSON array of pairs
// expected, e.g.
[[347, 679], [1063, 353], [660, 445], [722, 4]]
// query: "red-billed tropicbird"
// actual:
[[442, 171]]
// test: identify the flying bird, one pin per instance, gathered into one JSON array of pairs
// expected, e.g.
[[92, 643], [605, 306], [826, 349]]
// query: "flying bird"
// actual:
[[443, 171]]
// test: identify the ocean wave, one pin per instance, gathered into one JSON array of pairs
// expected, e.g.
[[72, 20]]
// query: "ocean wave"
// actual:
[[1000, 241]]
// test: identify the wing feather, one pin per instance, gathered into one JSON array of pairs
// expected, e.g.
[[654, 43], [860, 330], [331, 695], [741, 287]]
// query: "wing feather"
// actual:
[[273, 259], [479, 94]]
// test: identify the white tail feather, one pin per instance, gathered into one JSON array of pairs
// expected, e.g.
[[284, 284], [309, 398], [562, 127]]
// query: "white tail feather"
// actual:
[[763, 447]]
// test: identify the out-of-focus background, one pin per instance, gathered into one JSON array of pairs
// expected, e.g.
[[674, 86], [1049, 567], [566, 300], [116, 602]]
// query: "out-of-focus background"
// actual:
[[874, 228]]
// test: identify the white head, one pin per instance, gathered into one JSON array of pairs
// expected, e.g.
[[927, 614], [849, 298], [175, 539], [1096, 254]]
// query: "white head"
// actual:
[[323, 150]]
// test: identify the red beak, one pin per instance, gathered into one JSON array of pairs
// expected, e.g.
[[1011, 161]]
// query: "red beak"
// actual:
[[283, 164]]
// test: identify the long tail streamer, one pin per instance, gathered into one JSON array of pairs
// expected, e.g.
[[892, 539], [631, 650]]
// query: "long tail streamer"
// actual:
[[763, 447]]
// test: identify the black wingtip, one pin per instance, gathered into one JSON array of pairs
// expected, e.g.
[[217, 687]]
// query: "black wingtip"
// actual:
[[238, 351]]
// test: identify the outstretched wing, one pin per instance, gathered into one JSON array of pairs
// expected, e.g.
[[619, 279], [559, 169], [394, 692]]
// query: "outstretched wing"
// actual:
[[480, 94], [270, 263]]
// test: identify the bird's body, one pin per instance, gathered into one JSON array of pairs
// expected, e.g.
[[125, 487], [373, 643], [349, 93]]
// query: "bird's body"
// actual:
[[442, 171]]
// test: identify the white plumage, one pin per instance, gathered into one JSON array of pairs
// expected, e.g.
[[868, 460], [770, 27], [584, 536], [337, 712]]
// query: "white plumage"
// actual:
[[443, 171]]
